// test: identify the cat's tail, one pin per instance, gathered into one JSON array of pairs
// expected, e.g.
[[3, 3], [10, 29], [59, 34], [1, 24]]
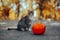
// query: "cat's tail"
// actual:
[[12, 28]]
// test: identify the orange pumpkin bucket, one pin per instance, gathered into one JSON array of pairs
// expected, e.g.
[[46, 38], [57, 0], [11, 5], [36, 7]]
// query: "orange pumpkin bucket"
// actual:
[[38, 28]]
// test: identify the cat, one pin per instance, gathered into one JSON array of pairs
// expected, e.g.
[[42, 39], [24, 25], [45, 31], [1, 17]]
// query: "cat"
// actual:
[[23, 24]]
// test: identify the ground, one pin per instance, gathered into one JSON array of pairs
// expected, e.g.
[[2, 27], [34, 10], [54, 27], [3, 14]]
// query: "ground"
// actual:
[[52, 32]]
